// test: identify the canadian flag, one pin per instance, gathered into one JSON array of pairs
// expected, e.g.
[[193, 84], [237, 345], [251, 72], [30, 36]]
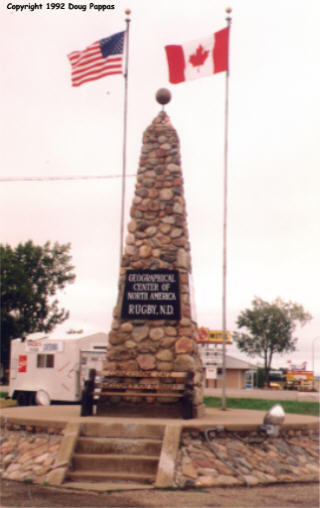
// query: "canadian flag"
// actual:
[[199, 58]]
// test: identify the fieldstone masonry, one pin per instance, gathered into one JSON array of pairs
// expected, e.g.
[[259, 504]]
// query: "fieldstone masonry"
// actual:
[[157, 252], [245, 458], [31, 454]]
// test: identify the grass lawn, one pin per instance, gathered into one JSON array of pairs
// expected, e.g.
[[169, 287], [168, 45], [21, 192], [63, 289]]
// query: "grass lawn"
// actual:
[[289, 406]]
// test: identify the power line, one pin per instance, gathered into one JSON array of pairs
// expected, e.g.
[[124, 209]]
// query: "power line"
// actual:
[[59, 178]]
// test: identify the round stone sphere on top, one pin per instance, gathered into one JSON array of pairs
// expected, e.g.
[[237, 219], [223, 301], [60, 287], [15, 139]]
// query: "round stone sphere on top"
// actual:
[[163, 96]]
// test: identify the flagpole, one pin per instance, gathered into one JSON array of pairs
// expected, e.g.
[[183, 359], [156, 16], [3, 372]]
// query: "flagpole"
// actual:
[[125, 116], [225, 215]]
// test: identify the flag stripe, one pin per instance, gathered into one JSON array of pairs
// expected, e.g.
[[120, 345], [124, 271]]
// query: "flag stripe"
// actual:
[[102, 58], [220, 50], [78, 58], [176, 63], [100, 65], [107, 73], [92, 75], [96, 74]]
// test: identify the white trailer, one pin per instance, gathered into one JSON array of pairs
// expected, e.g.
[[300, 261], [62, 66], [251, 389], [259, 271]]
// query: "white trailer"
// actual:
[[45, 369]]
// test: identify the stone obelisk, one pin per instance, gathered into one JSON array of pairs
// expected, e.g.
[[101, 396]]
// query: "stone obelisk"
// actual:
[[153, 328]]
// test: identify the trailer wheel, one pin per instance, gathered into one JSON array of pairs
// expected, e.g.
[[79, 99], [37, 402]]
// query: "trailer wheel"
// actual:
[[31, 398], [22, 399], [42, 398]]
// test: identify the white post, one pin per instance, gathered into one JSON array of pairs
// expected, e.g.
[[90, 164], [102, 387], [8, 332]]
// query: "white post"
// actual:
[[313, 348], [124, 152], [225, 213]]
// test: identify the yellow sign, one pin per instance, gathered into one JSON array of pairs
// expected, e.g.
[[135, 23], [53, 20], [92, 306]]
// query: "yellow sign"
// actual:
[[207, 336], [299, 375]]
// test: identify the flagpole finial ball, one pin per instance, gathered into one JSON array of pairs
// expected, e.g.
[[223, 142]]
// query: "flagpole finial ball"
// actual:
[[163, 96], [128, 12], [228, 10]]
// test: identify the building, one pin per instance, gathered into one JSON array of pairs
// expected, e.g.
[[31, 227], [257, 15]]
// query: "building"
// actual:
[[239, 374]]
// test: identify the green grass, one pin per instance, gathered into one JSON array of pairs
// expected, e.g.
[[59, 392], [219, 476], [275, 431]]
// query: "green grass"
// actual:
[[289, 406]]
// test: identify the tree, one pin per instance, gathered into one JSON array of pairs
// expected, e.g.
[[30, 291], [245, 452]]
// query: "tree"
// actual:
[[30, 277], [270, 328], [259, 378]]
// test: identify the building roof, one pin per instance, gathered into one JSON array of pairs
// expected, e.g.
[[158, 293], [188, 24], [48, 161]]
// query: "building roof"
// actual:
[[93, 337], [236, 363]]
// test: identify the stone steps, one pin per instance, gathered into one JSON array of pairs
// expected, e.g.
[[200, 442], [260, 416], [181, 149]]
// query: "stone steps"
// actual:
[[125, 452], [122, 430], [118, 445], [114, 462], [117, 477]]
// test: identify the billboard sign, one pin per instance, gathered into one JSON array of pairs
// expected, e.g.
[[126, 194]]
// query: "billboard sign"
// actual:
[[298, 375], [207, 336]]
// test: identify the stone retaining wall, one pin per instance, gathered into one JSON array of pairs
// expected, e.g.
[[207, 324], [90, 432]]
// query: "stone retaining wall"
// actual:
[[30, 453], [238, 458]]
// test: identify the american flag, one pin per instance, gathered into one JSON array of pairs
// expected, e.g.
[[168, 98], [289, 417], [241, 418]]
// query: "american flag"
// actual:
[[102, 58]]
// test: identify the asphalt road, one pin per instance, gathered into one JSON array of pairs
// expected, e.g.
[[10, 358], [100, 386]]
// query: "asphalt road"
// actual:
[[255, 393]]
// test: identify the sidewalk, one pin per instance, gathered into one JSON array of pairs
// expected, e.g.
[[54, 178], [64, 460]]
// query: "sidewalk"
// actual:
[[59, 415]]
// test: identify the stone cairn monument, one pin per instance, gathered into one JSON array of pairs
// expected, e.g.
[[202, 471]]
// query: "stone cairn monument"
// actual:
[[153, 331]]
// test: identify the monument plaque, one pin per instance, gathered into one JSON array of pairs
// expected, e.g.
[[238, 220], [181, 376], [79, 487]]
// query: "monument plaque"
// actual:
[[151, 294]]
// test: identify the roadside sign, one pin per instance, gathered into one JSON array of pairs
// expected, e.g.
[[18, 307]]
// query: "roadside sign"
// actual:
[[207, 336], [211, 373]]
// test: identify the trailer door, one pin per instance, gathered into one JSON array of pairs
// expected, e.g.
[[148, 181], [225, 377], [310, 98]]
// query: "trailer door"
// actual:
[[90, 360]]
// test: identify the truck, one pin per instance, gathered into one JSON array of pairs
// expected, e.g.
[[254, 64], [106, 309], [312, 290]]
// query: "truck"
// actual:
[[44, 369], [301, 380]]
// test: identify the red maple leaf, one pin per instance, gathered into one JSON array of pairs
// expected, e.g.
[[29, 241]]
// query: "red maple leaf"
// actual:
[[199, 57]]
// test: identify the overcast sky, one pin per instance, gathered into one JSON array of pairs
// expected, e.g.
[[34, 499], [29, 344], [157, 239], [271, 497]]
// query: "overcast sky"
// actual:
[[49, 129]]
